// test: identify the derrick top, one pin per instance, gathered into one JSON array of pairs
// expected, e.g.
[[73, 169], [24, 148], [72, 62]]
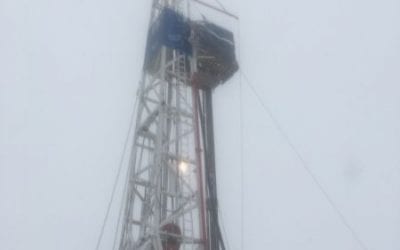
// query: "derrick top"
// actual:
[[212, 47]]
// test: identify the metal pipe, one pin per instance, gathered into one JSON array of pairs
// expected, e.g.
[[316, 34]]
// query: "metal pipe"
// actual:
[[195, 93]]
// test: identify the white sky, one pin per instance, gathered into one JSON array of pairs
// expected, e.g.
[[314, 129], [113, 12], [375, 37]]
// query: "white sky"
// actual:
[[328, 70]]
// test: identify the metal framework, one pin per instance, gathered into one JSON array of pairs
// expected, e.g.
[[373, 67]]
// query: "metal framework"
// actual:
[[171, 198]]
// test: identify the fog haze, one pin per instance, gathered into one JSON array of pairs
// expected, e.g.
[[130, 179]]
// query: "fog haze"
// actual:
[[327, 70]]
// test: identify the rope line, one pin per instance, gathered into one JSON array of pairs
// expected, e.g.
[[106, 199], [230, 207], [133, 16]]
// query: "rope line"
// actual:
[[117, 177], [228, 246], [121, 210], [220, 5], [241, 167], [304, 164], [241, 127]]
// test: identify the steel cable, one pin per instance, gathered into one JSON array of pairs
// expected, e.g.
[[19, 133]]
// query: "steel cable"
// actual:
[[117, 175], [304, 164]]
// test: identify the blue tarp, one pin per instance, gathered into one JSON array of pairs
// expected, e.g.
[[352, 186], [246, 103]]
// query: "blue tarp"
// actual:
[[172, 30]]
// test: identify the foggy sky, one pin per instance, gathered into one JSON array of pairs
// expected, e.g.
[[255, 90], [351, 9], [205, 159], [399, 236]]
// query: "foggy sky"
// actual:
[[328, 70]]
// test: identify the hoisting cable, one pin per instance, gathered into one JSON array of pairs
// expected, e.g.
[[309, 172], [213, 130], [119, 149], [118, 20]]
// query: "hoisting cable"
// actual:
[[117, 177], [304, 164], [224, 11]]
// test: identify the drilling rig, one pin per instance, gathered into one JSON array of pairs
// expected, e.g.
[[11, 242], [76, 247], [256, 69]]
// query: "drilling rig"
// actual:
[[171, 200]]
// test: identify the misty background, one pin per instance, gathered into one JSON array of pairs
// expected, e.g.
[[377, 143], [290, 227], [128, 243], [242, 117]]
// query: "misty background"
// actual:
[[329, 71]]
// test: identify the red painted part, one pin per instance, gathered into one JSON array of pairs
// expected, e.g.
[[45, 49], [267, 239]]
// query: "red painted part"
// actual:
[[195, 96], [169, 241]]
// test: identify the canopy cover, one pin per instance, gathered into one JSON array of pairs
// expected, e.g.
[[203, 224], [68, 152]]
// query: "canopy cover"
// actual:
[[215, 47]]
